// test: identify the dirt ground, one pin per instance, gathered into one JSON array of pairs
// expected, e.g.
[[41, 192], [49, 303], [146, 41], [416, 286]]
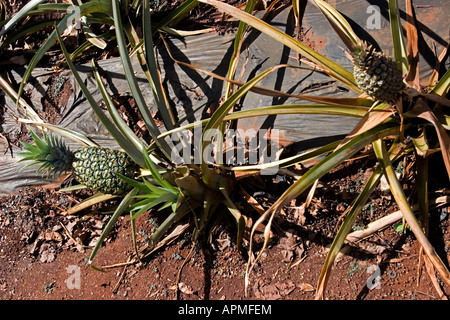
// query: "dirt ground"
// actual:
[[44, 253]]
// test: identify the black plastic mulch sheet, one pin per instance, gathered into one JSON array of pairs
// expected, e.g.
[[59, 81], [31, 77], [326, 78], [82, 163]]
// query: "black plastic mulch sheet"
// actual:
[[191, 90]]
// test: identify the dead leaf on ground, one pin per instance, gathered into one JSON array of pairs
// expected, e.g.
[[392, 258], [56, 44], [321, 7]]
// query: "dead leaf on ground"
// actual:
[[306, 287], [291, 246], [52, 236], [272, 291], [47, 253], [185, 288], [298, 212]]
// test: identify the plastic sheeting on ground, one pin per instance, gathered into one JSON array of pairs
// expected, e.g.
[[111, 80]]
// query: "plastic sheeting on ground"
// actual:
[[190, 89]]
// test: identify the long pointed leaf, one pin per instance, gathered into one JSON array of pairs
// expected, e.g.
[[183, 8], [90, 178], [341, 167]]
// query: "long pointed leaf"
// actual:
[[332, 69], [177, 14], [350, 111], [355, 108], [287, 162], [110, 126], [276, 93], [443, 85], [421, 110], [167, 197], [240, 219], [422, 190], [73, 135], [173, 218], [344, 230], [370, 120], [86, 8], [222, 111], [26, 30], [157, 88], [135, 184], [412, 47], [117, 213], [89, 202], [398, 38], [349, 221], [334, 159], [155, 173], [237, 47], [20, 15], [133, 149], [132, 81], [340, 25], [408, 214], [29, 111]]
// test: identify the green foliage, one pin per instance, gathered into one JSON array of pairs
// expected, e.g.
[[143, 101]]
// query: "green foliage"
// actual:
[[203, 191], [372, 126], [49, 152]]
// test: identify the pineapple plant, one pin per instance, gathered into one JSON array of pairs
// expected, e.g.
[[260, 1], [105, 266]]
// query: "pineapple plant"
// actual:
[[94, 167], [376, 74]]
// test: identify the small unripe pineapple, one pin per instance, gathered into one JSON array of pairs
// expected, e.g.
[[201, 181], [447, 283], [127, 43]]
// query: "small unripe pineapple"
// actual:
[[376, 74], [94, 167]]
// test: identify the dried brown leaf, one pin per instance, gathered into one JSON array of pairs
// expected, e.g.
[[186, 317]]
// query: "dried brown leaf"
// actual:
[[369, 121], [435, 75], [185, 288], [421, 110], [272, 291], [52, 236], [306, 287], [412, 48]]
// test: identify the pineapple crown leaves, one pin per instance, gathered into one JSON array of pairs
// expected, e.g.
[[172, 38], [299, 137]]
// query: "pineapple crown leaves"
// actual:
[[364, 52], [51, 152]]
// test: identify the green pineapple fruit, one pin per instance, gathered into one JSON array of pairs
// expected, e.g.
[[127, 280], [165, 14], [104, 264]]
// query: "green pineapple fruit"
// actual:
[[376, 74], [94, 167]]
